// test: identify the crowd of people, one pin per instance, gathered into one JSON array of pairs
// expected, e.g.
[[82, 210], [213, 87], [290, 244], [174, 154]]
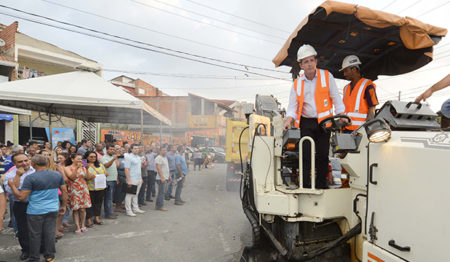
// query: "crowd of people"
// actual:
[[44, 186]]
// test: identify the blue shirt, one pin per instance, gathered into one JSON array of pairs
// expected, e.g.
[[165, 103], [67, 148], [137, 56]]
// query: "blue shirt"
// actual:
[[10, 175], [151, 161], [171, 158], [179, 160], [6, 165], [43, 185], [133, 162]]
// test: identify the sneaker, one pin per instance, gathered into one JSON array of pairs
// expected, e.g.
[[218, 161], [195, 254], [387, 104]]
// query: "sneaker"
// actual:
[[179, 203], [167, 198], [142, 204], [111, 217], [139, 211], [131, 214], [149, 200], [161, 209], [49, 259]]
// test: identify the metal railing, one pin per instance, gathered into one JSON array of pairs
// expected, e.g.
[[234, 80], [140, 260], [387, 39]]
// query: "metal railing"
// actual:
[[313, 162]]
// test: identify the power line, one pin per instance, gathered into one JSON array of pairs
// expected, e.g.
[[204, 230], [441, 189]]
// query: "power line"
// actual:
[[153, 31], [140, 42], [236, 16], [408, 7], [143, 48], [388, 5], [432, 9], [212, 18], [193, 76], [224, 88], [204, 23]]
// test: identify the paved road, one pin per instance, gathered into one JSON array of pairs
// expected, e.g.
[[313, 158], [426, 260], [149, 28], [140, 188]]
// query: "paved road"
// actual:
[[209, 227]]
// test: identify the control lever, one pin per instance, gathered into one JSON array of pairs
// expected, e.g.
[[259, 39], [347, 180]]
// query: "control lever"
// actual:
[[394, 245]]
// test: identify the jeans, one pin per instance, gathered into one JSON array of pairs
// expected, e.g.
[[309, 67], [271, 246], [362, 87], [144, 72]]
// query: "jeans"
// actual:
[[141, 196], [131, 200], [42, 227], [96, 200], [120, 196], [66, 216], [11, 213], [170, 184], [109, 197], [180, 184], [20, 213], [161, 192], [151, 184]]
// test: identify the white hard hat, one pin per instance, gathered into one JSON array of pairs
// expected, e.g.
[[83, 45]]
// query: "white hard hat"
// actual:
[[350, 60], [305, 51]]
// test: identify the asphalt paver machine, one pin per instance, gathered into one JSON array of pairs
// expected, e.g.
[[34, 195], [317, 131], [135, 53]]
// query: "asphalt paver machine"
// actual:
[[393, 204]]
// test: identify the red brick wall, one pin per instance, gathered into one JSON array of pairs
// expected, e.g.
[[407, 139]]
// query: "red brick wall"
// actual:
[[8, 34], [166, 107]]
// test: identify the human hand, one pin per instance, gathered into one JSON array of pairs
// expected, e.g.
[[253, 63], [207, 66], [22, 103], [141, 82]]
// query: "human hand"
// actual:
[[163, 180], [129, 183], [287, 123], [11, 183], [424, 96], [344, 120], [20, 171]]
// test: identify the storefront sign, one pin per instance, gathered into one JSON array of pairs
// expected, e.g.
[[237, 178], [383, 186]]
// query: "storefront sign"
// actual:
[[60, 135], [200, 121]]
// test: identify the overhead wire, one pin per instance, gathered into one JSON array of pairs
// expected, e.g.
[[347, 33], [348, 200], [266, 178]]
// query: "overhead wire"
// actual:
[[205, 23], [139, 42], [434, 8], [153, 30], [236, 16], [411, 5], [213, 18], [143, 48], [384, 8], [193, 76]]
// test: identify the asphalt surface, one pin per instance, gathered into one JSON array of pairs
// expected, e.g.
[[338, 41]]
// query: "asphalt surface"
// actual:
[[209, 227]]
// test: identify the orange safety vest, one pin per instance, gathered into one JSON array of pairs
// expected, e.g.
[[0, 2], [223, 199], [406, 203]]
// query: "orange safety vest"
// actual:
[[321, 96], [356, 106]]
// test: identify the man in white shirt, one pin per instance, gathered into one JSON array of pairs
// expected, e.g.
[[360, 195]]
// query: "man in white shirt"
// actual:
[[134, 178], [22, 170], [163, 177], [312, 97]]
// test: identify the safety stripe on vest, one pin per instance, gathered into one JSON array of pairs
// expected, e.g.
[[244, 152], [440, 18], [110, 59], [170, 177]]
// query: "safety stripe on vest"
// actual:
[[345, 90], [324, 114], [358, 98], [357, 123], [299, 89], [322, 78], [359, 115]]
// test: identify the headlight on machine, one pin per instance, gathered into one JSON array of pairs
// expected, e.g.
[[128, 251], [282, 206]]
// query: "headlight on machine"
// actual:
[[377, 130]]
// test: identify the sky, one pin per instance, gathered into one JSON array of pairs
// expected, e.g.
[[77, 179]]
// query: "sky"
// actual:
[[246, 32]]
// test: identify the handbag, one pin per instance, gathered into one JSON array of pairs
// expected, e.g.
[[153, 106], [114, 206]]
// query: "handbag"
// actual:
[[129, 190]]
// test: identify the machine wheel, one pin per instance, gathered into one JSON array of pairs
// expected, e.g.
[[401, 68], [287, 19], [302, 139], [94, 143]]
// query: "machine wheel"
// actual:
[[230, 175]]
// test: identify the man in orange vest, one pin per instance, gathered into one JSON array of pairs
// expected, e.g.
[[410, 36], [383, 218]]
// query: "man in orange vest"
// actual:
[[312, 97], [360, 98]]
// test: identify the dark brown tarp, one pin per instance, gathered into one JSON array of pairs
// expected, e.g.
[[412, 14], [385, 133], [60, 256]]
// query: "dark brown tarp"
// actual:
[[387, 44]]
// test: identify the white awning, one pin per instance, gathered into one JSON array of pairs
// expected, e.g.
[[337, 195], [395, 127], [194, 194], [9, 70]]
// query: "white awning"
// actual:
[[13, 110], [79, 95]]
